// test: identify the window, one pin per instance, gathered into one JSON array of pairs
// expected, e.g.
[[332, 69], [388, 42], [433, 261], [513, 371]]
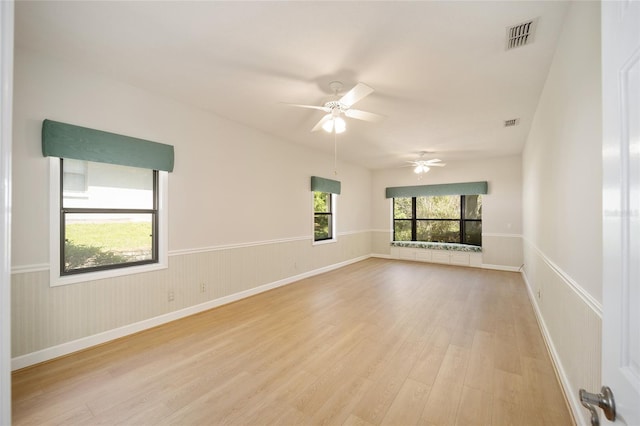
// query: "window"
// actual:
[[323, 215], [445, 219], [324, 192], [108, 203], [115, 224]]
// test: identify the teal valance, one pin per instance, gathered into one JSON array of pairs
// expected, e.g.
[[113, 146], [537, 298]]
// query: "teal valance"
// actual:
[[466, 188], [81, 143], [325, 185]]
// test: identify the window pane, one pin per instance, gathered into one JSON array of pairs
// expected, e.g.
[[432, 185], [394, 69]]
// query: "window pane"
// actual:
[[107, 186], [473, 207], [321, 202], [75, 176], [75, 182], [402, 209], [473, 233], [439, 207], [440, 231], [321, 226], [402, 230], [93, 240]]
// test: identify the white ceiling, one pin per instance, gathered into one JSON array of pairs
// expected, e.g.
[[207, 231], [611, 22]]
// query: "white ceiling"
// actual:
[[440, 70]]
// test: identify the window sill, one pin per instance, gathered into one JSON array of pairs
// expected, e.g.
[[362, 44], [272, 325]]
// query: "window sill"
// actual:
[[437, 246], [100, 275], [321, 242]]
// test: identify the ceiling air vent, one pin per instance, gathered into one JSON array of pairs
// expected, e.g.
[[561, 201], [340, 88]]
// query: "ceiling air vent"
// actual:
[[521, 34], [512, 122]]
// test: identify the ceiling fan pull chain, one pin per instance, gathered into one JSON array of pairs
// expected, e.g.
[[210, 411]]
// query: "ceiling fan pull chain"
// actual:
[[335, 152]]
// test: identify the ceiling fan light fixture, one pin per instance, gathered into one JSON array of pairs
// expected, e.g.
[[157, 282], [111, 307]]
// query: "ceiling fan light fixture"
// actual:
[[328, 126], [335, 123], [421, 169]]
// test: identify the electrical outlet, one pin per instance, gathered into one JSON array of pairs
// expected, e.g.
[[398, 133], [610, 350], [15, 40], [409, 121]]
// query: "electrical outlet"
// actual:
[[171, 296], [202, 288]]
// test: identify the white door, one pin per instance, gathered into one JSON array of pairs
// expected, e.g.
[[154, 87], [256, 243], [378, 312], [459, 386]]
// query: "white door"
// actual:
[[621, 207]]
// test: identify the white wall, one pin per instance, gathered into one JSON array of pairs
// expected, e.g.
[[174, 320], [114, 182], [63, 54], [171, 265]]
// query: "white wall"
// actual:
[[562, 202], [233, 189], [231, 184], [501, 207]]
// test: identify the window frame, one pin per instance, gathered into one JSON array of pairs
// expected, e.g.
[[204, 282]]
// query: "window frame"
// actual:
[[332, 221], [462, 220], [57, 277]]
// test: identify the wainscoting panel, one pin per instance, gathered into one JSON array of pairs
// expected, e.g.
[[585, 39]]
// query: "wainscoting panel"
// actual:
[[51, 321], [571, 325]]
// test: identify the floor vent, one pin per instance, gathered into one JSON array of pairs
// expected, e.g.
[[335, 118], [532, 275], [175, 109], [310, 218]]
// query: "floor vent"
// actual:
[[512, 122], [521, 34]]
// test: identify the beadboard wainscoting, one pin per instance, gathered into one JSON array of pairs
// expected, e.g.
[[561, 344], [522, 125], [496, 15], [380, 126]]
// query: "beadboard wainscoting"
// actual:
[[49, 322], [571, 323]]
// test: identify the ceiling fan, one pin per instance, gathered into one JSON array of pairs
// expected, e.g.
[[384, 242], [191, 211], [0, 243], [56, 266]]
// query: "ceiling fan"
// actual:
[[423, 166], [333, 121]]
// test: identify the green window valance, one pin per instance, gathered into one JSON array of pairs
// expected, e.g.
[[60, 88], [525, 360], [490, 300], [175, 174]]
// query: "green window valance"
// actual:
[[325, 185], [466, 188], [81, 143]]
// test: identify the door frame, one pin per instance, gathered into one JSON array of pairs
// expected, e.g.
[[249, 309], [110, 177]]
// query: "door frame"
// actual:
[[6, 105]]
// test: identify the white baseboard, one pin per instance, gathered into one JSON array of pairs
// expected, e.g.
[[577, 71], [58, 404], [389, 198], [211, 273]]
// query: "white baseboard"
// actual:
[[577, 410], [501, 267], [381, 256], [104, 337]]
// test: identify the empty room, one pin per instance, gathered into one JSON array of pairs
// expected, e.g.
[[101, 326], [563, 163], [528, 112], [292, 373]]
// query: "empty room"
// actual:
[[340, 213]]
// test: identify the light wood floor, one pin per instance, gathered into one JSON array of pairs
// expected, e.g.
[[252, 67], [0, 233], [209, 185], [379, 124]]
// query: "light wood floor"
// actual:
[[376, 342]]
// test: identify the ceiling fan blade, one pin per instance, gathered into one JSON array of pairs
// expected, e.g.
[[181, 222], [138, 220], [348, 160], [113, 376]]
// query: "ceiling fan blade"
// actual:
[[436, 162], [323, 120], [360, 91], [363, 115], [321, 108]]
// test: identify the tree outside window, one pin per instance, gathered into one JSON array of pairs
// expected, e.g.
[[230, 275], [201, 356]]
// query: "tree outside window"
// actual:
[[322, 216], [444, 219]]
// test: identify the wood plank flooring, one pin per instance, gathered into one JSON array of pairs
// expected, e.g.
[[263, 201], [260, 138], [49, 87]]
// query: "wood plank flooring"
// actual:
[[377, 342]]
